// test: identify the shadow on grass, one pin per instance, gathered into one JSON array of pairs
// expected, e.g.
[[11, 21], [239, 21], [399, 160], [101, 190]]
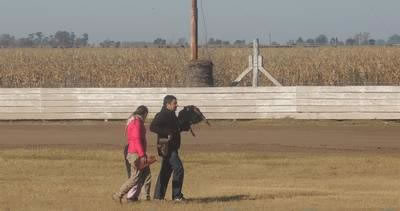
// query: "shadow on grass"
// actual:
[[221, 199], [292, 194], [270, 196]]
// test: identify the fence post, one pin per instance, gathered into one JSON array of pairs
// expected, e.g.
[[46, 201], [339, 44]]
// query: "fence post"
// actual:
[[255, 63]]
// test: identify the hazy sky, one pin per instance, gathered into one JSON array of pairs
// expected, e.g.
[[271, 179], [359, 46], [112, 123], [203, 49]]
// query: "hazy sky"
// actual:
[[134, 20]]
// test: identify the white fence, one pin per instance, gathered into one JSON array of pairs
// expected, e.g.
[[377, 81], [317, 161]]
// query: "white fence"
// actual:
[[356, 102]]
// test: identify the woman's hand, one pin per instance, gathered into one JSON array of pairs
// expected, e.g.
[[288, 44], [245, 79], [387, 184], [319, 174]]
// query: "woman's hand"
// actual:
[[143, 160]]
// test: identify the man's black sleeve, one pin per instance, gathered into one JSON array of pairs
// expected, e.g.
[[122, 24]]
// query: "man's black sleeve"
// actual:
[[157, 126]]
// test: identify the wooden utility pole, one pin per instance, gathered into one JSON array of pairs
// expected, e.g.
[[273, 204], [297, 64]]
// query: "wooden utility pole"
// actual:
[[194, 38], [199, 73]]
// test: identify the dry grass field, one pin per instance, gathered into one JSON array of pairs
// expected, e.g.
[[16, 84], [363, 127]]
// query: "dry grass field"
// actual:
[[232, 166], [155, 67]]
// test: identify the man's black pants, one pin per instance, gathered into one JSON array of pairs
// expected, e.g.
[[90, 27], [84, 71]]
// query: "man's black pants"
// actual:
[[170, 164]]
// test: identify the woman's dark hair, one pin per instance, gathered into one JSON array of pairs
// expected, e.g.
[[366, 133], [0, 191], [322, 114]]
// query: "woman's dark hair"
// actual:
[[141, 110], [168, 99]]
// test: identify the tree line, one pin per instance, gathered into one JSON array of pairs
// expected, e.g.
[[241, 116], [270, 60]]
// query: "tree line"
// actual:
[[60, 39], [358, 39], [65, 39]]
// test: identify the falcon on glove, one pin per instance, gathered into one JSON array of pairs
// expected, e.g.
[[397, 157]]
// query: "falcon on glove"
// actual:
[[189, 116]]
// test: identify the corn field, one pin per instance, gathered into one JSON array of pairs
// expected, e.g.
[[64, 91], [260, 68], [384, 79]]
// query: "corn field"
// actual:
[[165, 67]]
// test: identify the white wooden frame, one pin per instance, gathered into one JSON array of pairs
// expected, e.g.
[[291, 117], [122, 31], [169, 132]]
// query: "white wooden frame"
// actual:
[[349, 102]]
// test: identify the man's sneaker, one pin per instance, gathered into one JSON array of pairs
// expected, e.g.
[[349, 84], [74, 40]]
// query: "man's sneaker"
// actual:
[[132, 200], [180, 199]]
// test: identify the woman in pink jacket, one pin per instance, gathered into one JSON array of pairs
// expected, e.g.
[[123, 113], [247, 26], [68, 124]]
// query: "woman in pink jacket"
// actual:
[[135, 133]]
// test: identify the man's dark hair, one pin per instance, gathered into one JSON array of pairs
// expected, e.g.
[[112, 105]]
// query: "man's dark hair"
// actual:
[[168, 99]]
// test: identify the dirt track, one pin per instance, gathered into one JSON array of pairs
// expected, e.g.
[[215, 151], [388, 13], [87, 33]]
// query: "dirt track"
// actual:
[[269, 135], [285, 165]]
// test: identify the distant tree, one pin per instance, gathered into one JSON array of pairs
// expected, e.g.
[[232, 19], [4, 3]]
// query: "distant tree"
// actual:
[[371, 42], [85, 37], [351, 41], [300, 41], [240, 42], [182, 42], [82, 41], [38, 40], [52, 41], [159, 42], [110, 44], [219, 42], [394, 39], [45, 41], [7, 41], [310, 41], [25, 42], [106, 43], [72, 39], [63, 39], [322, 39], [31, 36], [211, 41], [380, 42], [226, 43]]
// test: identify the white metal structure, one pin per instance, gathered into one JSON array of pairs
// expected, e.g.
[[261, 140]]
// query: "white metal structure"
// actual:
[[255, 65]]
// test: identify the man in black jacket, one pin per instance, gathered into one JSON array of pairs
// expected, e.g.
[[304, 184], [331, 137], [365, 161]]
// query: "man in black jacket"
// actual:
[[168, 128]]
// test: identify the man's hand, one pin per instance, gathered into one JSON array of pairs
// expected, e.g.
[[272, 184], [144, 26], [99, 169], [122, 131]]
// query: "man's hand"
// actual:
[[170, 137]]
